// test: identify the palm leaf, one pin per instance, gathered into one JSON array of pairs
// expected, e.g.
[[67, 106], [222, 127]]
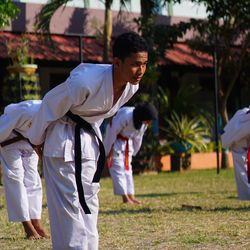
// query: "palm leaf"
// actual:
[[162, 96], [183, 130], [44, 17]]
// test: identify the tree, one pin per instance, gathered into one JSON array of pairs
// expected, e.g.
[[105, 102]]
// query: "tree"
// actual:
[[160, 37], [108, 27], [8, 11], [44, 17], [107, 30], [225, 30]]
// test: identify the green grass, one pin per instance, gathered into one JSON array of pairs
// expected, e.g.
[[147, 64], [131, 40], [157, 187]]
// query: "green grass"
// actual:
[[220, 221]]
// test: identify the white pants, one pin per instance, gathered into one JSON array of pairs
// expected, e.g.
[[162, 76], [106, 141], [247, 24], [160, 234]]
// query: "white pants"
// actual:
[[240, 173], [70, 227], [22, 183], [123, 182]]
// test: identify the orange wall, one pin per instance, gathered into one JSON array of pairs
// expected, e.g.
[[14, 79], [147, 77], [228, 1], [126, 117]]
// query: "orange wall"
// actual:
[[198, 161]]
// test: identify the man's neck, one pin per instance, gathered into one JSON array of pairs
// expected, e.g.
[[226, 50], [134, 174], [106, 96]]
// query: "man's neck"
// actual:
[[118, 84]]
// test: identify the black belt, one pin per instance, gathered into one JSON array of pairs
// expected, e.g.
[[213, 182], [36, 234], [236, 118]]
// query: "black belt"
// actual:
[[80, 123], [17, 138]]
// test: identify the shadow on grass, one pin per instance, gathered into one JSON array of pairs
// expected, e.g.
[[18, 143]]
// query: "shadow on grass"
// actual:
[[153, 195], [129, 211], [218, 209], [188, 208], [232, 197], [11, 238], [227, 209]]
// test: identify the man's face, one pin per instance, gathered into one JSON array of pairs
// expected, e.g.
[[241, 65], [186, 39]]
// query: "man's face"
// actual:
[[132, 68]]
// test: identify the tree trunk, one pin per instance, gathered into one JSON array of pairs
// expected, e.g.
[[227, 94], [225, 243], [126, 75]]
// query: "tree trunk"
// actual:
[[224, 153], [224, 116], [107, 30]]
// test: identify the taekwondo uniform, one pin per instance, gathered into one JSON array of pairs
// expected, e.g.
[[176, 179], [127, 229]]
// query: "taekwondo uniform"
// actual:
[[86, 93], [124, 140], [237, 136], [22, 183]]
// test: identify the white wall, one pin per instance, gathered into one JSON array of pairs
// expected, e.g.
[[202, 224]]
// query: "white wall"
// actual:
[[185, 9], [189, 9]]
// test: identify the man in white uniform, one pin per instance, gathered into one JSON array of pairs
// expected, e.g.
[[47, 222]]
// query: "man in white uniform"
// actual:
[[22, 183], [237, 136], [123, 140], [73, 154]]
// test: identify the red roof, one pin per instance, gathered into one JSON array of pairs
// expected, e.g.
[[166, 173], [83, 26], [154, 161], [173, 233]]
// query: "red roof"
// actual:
[[63, 48], [182, 54], [66, 48]]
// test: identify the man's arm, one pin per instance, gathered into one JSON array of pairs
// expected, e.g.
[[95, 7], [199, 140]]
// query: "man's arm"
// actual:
[[56, 103]]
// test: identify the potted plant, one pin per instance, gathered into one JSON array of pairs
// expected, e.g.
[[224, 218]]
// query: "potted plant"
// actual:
[[21, 59], [22, 82], [184, 134]]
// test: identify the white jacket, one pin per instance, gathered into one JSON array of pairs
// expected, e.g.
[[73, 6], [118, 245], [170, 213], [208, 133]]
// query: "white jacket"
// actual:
[[17, 116], [237, 128], [88, 93], [122, 123]]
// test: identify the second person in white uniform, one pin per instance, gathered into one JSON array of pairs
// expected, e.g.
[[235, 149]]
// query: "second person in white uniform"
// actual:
[[123, 139], [237, 136], [22, 183]]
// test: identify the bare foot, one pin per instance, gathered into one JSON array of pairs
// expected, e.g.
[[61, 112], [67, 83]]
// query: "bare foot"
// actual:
[[42, 233], [30, 231], [33, 237], [126, 199], [39, 229], [134, 200]]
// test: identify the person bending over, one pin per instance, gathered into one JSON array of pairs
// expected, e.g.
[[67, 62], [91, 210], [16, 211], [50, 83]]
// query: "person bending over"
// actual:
[[19, 161], [68, 124], [123, 140]]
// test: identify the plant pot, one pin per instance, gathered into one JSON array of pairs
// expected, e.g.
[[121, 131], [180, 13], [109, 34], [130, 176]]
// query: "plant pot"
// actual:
[[186, 161], [180, 161], [27, 69], [157, 162], [175, 162]]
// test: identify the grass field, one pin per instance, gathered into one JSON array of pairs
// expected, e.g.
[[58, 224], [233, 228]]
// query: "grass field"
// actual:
[[165, 220]]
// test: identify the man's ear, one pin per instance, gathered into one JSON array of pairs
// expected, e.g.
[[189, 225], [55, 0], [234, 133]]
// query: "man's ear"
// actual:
[[116, 62]]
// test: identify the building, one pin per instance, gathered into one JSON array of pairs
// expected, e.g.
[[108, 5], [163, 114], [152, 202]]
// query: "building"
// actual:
[[73, 24], [75, 27]]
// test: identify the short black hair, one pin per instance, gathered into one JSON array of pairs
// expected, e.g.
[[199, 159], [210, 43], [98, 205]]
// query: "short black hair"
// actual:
[[128, 43], [144, 112]]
